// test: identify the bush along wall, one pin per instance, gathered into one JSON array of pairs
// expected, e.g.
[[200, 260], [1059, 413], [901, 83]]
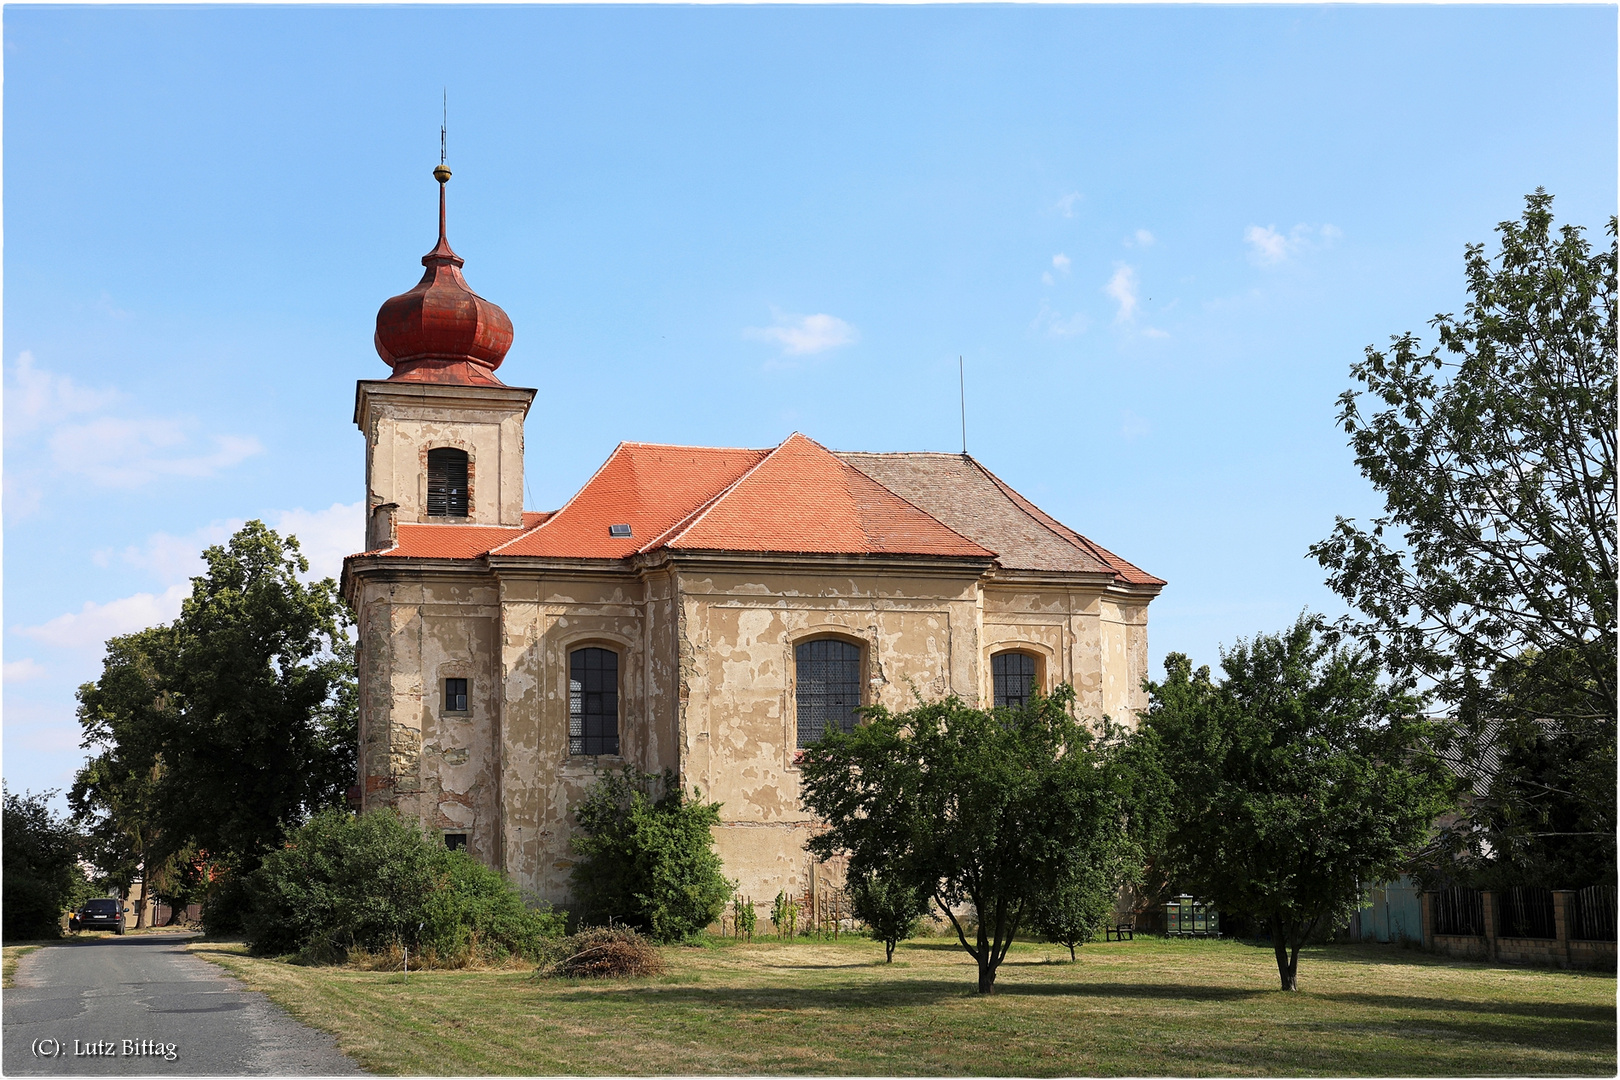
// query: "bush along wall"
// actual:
[[647, 857], [376, 882]]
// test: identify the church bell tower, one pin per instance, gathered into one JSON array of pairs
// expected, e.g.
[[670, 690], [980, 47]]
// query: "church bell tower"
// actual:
[[444, 436]]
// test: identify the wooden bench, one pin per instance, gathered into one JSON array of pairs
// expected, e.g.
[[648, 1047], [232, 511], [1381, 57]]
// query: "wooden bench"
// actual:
[[1124, 931]]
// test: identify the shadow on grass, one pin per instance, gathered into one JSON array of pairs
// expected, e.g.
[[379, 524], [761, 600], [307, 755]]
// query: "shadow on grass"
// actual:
[[1547, 1010], [891, 995]]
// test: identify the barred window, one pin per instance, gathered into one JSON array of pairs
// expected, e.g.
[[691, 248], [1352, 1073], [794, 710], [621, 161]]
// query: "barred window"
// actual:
[[593, 701], [1013, 676], [828, 677], [455, 695], [447, 482]]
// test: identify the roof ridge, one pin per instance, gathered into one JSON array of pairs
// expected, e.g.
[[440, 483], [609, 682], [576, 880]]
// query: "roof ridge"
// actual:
[[1062, 531], [703, 511], [557, 513], [907, 501]]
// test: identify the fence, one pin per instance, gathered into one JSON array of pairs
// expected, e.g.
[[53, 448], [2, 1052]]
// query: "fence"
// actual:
[[1526, 912], [1459, 911], [1593, 914]]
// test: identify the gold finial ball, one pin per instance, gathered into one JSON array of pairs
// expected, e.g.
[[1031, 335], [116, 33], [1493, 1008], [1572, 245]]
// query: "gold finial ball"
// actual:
[[441, 174]]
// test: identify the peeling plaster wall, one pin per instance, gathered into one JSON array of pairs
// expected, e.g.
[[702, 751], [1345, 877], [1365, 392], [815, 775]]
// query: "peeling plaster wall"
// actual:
[[739, 729], [706, 688], [543, 619], [401, 423], [433, 765]]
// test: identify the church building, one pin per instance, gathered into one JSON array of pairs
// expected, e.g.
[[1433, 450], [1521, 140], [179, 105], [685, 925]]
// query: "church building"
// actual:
[[709, 610]]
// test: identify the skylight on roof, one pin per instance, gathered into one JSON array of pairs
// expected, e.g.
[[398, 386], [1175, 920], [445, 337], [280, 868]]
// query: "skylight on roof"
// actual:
[[618, 530]]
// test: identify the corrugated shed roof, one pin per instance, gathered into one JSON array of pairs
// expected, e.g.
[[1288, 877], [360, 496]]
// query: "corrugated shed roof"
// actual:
[[962, 493], [801, 498]]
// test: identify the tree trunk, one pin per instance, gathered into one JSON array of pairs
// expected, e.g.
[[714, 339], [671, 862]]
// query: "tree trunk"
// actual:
[[140, 912], [1287, 965], [888, 949], [987, 976], [1071, 952]]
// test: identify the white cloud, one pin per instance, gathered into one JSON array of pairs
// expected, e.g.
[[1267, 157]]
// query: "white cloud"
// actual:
[[16, 671], [1268, 247], [1057, 325], [1060, 262], [93, 624], [117, 452], [326, 536], [1046, 278], [1065, 205], [1155, 332], [1121, 288], [1132, 426], [82, 439], [1141, 238], [805, 335], [38, 397]]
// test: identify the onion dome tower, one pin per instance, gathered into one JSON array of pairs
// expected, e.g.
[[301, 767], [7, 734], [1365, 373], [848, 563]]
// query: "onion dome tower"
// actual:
[[444, 436], [441, 331]]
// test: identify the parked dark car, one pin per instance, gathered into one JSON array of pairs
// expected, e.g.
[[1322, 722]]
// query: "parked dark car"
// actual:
[[102, 913]]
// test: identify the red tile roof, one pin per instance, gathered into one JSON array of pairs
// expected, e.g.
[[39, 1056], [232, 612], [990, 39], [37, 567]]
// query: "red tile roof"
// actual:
[[647, 487], [801, 498], [419, 541]]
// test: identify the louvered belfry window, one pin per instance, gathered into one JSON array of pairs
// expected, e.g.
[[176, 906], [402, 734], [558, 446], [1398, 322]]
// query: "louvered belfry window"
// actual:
[[827, 674], [593, 701], [1013, 674], [447, 482]]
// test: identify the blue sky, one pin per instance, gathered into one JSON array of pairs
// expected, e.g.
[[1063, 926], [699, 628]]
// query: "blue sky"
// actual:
[[1158, 235]]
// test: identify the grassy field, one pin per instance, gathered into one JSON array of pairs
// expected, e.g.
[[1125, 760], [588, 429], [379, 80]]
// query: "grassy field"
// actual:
[[1146, 1007]]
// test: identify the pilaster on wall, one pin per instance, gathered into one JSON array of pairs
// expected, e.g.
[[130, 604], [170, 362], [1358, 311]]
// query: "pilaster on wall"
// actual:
[[1427, 902], [1561, 898], [1489, 903]]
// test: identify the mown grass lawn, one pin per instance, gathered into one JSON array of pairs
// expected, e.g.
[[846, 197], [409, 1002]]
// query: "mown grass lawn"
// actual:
[[1147, 1007]]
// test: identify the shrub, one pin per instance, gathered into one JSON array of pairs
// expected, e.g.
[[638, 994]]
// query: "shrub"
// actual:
[[648, 863], [42, 877], [373, 882], [785, 915], [610, 951], [890, 909]]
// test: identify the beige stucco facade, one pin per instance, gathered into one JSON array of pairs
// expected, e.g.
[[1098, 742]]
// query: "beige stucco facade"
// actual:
[[706, 657]]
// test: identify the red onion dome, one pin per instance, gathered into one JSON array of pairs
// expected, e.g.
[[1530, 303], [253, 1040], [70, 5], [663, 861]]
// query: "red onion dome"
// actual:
[[441, 331]]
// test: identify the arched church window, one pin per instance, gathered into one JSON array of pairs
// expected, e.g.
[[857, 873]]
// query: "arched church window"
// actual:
[[827, 678], [593, 701], [1013, 676], [447, 482]]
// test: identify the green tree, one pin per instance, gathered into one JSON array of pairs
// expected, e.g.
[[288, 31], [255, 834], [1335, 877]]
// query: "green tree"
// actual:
[[1294, 782], [221, 729], [891, 909], [970, 806], [115, 794], [1078, 907], [649, 862], [1490, 577], [40, 860]]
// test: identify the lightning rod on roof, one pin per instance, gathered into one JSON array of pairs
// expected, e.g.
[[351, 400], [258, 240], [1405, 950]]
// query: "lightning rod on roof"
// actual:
[[961, 380], [444, 124]]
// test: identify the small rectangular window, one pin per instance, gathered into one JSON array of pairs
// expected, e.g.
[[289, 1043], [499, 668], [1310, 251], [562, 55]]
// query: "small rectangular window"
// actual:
[[619, 530], [455, 841], [455, 695]]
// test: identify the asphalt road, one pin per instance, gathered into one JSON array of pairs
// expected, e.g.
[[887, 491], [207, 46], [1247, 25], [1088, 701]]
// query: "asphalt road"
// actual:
[[120, 1006]]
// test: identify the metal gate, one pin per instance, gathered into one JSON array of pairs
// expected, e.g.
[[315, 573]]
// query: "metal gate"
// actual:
[[1393, 913]]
